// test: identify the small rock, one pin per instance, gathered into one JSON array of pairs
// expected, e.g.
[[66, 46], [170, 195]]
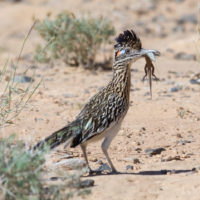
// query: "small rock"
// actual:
[[176, 88], [184, 56], [23, 79], [155, 151], [129, 167], [143, 129], [104, 167], [71, 163], [183, 142], [138, 150], [195, 79], [136, 161], [191, 18], [86, 183], [170, 158]]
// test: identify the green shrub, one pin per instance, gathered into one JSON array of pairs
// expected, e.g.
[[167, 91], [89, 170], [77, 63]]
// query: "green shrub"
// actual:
[[22, 172], [76, 41]]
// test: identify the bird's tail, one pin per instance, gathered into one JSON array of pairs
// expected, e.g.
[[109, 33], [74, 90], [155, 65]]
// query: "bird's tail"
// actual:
[[65, 134]]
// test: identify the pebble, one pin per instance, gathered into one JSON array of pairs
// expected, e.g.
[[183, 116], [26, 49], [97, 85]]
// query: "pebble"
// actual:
[[184, 56], [183, 142], [195, 79], [138, 150], [86, 183], [191, 18], [129, 167], [23, 79], [152, 152], [170, 158], [104, 167], [176, 88]]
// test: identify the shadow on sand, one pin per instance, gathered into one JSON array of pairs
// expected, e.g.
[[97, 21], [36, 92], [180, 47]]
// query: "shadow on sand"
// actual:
[[149, 173]]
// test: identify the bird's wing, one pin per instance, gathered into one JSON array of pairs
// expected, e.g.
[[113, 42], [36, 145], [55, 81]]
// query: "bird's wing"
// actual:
[[98, 114]]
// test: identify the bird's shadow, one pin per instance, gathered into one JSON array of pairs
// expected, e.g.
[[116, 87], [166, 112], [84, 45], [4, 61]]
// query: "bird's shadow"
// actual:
[[146, 173], [141, 173]]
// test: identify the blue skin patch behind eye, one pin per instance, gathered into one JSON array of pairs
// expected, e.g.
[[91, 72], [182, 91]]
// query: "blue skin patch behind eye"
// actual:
[[122, 51]]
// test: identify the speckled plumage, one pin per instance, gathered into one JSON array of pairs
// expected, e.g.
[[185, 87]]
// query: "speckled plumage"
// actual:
[[102, 115]]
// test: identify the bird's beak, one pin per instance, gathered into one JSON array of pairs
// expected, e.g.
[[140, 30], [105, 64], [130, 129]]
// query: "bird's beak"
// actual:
[[150, 53]]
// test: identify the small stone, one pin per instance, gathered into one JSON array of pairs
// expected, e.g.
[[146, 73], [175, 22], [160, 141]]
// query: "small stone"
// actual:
[[183, 142], [136, 161], [143, 129], [104, 167], [86, 183], [179, 135], [184, 56], [138, 150], [191, 18], [176, 88], [71, 163], [155, 151], [195, 79], [170, 158], [23, 79], [129, 167]]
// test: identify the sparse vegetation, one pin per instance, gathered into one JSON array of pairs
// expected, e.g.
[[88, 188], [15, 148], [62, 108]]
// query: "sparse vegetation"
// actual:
[[14, 96], [21, 172], [76, 41], [22, 169]]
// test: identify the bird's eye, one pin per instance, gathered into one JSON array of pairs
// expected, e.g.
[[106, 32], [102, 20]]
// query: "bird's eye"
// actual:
[[127, 50]]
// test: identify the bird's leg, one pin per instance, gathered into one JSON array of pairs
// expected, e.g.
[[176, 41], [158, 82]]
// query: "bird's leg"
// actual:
[[105, 145], [83, 148]]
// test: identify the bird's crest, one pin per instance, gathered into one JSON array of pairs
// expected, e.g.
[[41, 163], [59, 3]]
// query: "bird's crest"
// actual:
[[128, 39]]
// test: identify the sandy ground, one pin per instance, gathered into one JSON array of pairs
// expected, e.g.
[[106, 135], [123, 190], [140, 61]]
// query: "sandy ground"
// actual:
[[172, 174]]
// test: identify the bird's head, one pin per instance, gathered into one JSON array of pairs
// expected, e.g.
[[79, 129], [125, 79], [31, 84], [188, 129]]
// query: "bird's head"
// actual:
[[128, 49]]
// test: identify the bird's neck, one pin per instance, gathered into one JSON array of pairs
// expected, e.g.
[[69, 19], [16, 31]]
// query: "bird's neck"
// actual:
[[122, 81]]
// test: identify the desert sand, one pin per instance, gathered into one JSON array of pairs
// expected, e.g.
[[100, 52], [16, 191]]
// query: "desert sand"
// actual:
[[170, 120]]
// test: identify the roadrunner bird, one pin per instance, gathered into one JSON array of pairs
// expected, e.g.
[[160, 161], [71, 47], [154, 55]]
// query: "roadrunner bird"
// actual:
[[102, 115]]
